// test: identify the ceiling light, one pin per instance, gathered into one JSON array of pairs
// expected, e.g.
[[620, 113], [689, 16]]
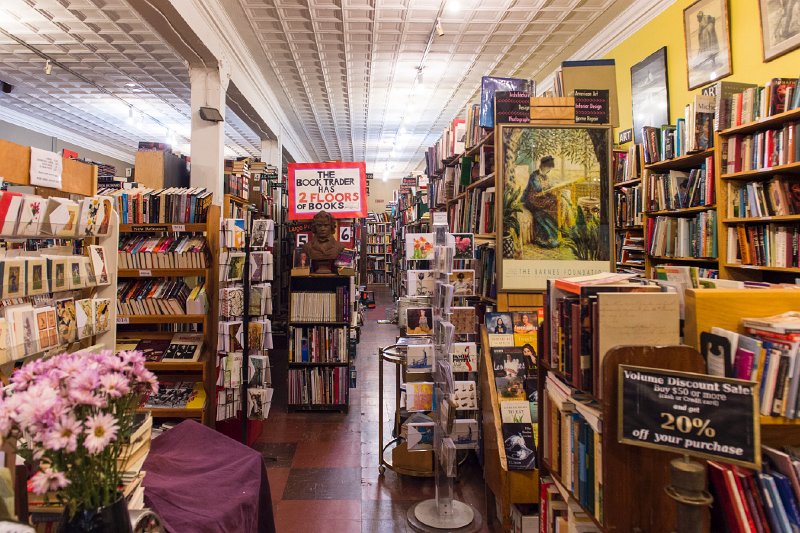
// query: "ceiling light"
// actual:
[[130, 115], [385, 176], [48, 67], [130, 85], [453, 6], [402, 131], [439, 28]]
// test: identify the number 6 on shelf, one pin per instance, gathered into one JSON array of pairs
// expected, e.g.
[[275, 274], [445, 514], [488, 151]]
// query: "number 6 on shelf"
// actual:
[[344, 234]]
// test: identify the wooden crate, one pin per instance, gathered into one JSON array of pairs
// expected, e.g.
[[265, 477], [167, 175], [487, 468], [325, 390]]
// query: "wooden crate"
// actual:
[[559, 110], [160, 169], [76, 177]]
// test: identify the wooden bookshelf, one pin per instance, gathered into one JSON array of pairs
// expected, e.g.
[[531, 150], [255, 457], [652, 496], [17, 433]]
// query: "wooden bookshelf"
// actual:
[[628, 183], [686, 211], [763, 123], [144, 326], [679, 163], [659, 258], [482, 183], [507, 487], [762, 220]]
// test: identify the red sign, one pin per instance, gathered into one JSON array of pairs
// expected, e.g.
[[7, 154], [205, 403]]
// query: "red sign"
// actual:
[[337, 187]]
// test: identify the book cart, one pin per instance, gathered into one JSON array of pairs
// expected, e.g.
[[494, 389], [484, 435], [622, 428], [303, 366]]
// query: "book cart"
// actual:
[[137, 327], [79, 180], [320, 318]]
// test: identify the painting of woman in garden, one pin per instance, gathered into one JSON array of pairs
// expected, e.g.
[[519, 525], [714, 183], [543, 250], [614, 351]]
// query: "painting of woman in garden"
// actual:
[[555, 199]]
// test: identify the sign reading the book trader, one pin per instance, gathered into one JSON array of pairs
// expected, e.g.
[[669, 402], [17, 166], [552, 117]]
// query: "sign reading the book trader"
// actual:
[[695, 414], [340, 188]]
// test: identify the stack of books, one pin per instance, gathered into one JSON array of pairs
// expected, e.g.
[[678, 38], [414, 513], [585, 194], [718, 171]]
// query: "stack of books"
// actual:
[[173, 205], [153, 297], [237, 178], [683, 236]]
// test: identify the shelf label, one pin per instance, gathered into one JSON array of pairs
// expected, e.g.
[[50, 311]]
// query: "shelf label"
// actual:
[[626, 136], [145, 274], [694, 414], [439, 218], [178, 227], [123, 320], [591, 106]]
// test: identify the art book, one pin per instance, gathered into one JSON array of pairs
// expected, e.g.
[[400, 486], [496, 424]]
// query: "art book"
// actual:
[[508, 365], [102, 314], [419, 358], [153, 349], [465, 394], [184, 347], [464, 246], [421, 282], [526, 325], [463, 319], [465, 434], [419, 246], [464, 357], [499, 326], [420, 435], [518, 437], [419, 396], [84, 316], [66, 321]]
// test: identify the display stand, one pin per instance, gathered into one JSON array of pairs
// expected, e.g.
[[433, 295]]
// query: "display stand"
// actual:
[[443, 512]]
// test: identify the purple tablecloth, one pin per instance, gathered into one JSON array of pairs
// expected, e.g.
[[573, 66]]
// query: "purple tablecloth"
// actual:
[[199, 480]]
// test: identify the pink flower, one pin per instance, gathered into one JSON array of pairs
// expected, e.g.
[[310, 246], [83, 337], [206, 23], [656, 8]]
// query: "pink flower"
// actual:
[[48, 480], [115, 385], [82, 387], [38, 406], [64, 434], [100, 430]]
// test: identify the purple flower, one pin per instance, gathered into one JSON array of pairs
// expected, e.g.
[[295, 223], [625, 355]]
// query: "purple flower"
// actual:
[[48, 480], [115, 385], [100, 430], [64, 434]]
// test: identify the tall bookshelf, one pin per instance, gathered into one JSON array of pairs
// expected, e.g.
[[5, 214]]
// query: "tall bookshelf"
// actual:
[[731, 264], [705, 213], [138, 327], [379, 250], [319, 365]]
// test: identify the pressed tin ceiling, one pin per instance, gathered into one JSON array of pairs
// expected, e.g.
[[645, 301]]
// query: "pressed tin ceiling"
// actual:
[[110, 46]]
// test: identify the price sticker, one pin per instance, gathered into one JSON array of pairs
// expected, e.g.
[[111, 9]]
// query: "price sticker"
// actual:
[[145, 274], [123, 320], [178, 227]]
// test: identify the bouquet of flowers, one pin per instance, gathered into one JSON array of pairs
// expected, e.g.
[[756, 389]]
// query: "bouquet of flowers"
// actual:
[[71, 416]]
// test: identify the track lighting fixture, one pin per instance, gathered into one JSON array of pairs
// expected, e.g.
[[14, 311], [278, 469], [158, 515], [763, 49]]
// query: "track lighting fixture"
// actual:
[[48, 67]]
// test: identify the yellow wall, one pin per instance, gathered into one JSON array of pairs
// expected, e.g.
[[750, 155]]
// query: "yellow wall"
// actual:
[[667, 30]]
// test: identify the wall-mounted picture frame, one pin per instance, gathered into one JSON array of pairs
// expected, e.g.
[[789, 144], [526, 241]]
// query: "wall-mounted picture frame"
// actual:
[[650, 93], [554, 183], [780, 27], [706, 28]]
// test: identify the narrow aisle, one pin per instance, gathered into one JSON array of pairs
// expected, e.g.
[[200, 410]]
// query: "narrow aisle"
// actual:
[[325, 478]]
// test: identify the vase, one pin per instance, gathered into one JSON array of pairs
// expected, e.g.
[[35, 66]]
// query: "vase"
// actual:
[[112, 518]]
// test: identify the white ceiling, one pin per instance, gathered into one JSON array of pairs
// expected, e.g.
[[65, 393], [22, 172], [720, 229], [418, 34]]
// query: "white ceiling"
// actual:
[[346, 69], [124, 64], [349, 66]]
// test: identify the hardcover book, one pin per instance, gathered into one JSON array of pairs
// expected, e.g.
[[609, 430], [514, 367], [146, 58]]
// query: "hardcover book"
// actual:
[[153, 349], [184, 347]]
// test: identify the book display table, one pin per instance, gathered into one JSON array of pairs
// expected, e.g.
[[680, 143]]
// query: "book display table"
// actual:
[[202, 481]]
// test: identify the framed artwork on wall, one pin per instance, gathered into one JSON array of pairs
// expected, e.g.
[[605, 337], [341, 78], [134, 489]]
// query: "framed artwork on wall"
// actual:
[[650, 93], [554, 182], [708, 45], [780, 27]]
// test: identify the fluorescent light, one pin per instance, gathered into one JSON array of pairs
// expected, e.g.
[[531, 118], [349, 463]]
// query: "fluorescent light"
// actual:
[[453, 6]]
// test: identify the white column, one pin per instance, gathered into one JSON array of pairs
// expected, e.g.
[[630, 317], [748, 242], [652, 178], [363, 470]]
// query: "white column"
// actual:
[[208, 86], [272, 152]]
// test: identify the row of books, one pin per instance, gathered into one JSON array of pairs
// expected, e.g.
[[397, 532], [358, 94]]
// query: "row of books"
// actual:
[[318, 386], [172, 205], [28, 215], [769, 245], [630, 249], [26, 329], [148, 251], [379, 249], [378, 277], [236, 179], [751, 103], [766, 500], [762, 150], [180, 348], [628, 206], [751, 200], [318, 344], [628, 165], [573, 447], [320, 306], [377, 236], [475, 213], [680, 190], [683, 236], [154, 297], [31, 276], [377, 218]]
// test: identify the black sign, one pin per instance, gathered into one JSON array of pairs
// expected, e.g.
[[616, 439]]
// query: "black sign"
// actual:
[[370, 175], [693, 414], [591, 106], [151, 227], [512, 107], [626, 136]]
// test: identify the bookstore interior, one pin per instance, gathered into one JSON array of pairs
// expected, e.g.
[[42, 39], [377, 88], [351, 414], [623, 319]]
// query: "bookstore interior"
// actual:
[[254, 275]]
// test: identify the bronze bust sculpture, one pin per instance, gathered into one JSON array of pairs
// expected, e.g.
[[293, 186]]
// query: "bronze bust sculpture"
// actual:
[[323, 248]]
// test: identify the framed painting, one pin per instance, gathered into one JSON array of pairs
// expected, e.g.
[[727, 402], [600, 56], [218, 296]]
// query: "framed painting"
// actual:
[[554, 182], [706, 29], [649, 93], [780, 27]]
